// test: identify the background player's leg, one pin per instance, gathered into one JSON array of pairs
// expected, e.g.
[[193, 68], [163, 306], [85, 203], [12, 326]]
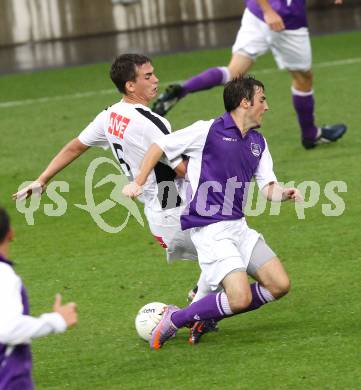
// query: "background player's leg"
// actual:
[[212, 77], [240, 64], [303, 102], [208, 79]]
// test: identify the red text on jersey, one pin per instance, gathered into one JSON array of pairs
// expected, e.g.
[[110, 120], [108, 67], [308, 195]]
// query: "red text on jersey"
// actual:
[[117, 125]]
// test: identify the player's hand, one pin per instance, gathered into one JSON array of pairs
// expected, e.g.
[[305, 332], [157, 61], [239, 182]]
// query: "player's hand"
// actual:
[[292, 194], [338, 2], [274, 20], [36, 187], [132, 190], [67, 311]]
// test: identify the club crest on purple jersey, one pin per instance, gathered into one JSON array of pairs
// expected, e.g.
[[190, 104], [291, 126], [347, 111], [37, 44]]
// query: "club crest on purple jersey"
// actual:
[[255, 149]]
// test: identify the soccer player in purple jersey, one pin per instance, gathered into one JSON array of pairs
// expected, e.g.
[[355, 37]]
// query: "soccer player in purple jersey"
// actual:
[[279, 26], [17, 327], [224, 155]]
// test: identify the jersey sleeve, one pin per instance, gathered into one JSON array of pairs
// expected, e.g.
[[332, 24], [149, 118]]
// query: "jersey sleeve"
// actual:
[[264, 173], [15, 327], [164, 159], [186, 141], [175, 162], [94, 133], [155, 133]]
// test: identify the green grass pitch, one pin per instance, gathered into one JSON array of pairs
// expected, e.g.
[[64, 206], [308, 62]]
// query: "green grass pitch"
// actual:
[[311, 339]]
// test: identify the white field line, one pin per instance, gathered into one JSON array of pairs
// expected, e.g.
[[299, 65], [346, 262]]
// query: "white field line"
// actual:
[[81, 95]]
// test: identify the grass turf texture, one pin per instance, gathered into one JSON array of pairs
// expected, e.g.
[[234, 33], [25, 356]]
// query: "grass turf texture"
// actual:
[[310, 339]]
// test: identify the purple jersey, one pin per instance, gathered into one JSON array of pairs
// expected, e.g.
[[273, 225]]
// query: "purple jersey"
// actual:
[[293, 12], [15, 369], [229, 162]]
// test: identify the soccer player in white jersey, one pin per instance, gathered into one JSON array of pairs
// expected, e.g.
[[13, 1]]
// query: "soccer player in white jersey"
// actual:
[[279, 26], [224, 155], [17, 327], [129, 128]]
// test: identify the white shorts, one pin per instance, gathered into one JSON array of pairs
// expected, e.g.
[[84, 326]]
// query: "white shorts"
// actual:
[[166, 228], [222, 248], [291, 48]]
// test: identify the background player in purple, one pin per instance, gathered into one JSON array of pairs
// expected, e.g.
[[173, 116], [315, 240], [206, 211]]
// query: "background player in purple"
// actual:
[[279, 26], [17, 327], [224, 155]]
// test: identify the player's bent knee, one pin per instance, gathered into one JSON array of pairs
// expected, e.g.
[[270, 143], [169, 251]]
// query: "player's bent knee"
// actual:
[[239, 64], [281, 288], [233, 71], [302, 81]]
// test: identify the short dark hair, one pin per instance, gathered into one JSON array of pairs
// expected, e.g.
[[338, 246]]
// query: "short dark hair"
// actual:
[[124, 69], [4, 224], [242, 87]]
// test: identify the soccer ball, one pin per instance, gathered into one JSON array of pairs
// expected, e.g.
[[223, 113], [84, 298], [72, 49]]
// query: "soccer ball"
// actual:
[[148, 318]]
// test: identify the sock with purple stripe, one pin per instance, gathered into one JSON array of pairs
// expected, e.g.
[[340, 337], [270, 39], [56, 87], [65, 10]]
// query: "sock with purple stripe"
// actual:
[[260, 296], [303, 102], [205, 80], [209, 307], [216, 306]]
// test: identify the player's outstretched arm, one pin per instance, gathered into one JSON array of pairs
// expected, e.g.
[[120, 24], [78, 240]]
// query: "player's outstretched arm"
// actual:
[[271, 17], [276, 193], [150, 160], [18, 328], [66, 155]]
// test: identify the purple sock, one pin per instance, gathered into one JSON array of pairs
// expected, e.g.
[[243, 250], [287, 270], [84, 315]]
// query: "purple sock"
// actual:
[[258, 298], [216, 307], [303, 103], [206, 308], [205, 80]]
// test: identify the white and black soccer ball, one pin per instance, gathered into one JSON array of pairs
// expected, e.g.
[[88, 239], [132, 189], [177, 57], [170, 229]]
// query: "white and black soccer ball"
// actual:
[[148, 318]]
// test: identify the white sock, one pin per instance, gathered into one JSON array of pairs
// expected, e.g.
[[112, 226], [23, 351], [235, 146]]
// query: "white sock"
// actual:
[[226, 74], [225, 304], [266, 294], [300, 93]]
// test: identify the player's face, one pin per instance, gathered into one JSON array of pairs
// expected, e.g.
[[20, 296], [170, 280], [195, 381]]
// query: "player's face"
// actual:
[[258, 108], [146, 82]]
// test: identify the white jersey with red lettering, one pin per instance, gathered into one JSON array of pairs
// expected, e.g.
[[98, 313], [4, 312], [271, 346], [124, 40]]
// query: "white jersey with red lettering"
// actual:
[[129, 130]]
